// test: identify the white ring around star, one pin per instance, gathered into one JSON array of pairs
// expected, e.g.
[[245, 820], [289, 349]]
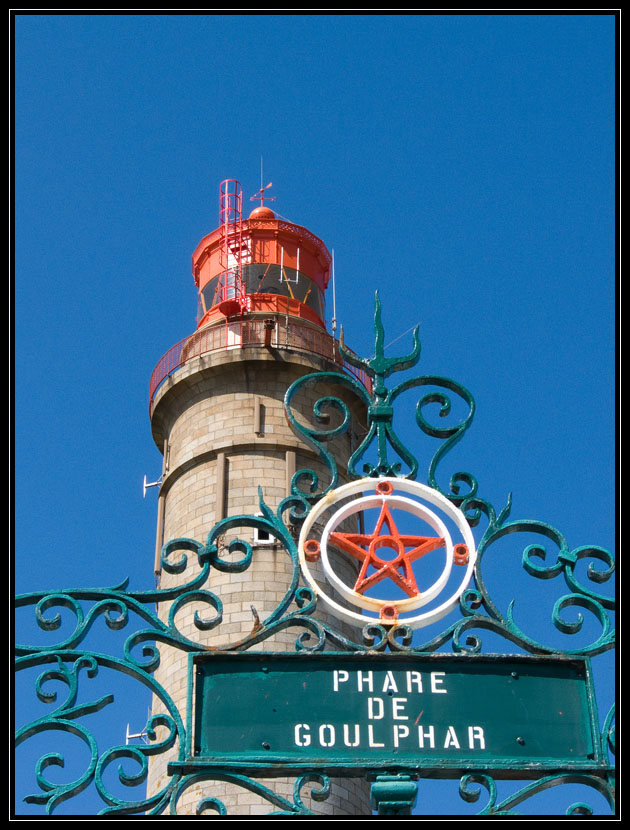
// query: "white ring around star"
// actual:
[[422, 493]]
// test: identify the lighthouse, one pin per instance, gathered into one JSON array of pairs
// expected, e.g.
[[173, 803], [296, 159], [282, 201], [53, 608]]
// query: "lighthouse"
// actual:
[[218, 417]]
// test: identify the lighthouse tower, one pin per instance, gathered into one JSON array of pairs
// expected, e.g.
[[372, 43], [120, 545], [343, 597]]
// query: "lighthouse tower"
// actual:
[[217, 415]]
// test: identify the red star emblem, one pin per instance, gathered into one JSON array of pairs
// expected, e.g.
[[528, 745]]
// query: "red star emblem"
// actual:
[[364, 547]]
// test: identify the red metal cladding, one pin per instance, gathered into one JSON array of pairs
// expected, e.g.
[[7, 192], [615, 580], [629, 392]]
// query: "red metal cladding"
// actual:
[[272, 303], [261, 240], [261, 282]]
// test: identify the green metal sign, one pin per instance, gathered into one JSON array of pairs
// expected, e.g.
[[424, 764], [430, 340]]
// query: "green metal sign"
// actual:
[[343, 712]]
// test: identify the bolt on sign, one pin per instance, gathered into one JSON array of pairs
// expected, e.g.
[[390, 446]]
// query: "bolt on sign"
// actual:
[[343, 712]]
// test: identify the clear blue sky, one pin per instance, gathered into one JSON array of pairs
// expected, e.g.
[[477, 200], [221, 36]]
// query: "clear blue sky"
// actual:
[[463, 165]]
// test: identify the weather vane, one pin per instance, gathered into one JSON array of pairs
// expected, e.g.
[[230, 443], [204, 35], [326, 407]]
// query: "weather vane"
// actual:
[[260, 195]]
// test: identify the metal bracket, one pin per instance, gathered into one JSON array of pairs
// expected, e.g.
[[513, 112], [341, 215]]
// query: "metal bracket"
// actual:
[[393, 795]]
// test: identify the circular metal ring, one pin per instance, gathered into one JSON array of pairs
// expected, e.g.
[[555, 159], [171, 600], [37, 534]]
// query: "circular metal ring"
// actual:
[[410, 506], [387, 491]]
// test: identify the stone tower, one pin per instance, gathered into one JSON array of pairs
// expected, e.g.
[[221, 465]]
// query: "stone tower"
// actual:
[[217, 414]]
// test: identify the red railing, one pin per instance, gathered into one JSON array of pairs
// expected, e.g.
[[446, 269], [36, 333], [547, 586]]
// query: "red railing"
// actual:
[[242, 333]]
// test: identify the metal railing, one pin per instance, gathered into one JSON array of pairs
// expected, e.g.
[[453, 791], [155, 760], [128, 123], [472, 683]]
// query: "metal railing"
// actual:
[[239, 334]]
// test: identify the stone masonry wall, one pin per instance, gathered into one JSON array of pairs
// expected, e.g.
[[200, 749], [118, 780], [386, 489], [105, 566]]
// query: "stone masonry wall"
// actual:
[[206, 411]]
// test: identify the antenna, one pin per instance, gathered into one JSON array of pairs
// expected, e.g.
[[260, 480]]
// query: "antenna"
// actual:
[[146, 484], [142, 735], [165, 458], [391, 342]]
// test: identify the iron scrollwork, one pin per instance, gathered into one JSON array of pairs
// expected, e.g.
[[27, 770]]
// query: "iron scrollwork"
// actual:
[[72, 663]]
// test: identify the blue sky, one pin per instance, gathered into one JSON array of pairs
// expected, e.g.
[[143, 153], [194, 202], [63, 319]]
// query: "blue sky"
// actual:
[[462, 165]]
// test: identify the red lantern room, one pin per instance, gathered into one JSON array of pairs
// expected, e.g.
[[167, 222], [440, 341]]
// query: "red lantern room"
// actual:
[[261, 264], [261, 283]]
